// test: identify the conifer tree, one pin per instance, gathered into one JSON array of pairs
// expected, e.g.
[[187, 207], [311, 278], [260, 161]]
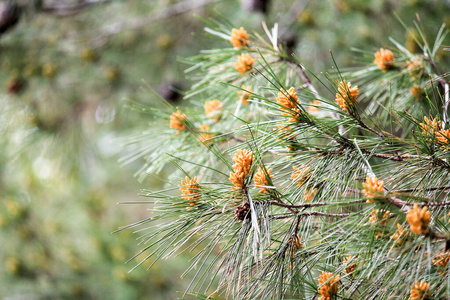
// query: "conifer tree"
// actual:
[[288, 184]]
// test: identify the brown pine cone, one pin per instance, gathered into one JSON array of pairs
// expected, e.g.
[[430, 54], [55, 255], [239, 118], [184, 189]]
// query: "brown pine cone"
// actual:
[[243, 212]]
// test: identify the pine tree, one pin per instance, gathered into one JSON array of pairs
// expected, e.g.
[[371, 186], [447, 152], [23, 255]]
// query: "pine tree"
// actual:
[[287, 184]]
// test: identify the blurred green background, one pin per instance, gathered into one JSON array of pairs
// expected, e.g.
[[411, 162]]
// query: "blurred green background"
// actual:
[[68, 68]]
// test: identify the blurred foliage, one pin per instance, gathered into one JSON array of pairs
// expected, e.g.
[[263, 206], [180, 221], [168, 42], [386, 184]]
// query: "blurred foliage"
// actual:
[[63, 82]]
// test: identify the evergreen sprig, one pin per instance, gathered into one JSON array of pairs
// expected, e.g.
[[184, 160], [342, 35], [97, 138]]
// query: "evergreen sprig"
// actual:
[[292, 186]]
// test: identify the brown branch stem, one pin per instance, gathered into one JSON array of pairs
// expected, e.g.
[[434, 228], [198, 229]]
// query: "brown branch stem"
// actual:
[[311, 213], [318, 204], [365, 126], [393, 200], [435, 188], [394, 157], [281, 203], [400, 203]]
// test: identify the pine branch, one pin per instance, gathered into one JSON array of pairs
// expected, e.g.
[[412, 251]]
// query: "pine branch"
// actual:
[[293, 207]]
